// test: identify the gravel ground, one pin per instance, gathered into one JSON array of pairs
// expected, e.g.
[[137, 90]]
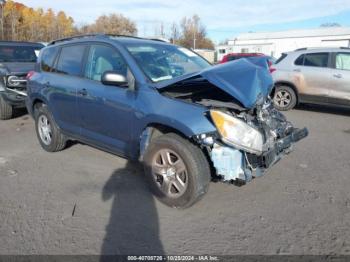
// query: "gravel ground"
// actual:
[[85, 201]]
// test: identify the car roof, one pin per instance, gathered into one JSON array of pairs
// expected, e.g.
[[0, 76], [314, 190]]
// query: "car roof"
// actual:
[[319, 49], [106, 38], [18, 43], [245, 54]]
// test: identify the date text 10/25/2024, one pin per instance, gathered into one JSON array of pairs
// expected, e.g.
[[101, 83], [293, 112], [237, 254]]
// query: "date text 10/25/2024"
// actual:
[[173, 258]]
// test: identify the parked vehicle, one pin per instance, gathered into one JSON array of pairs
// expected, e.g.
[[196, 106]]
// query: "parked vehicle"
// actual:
[[16, 60], [163, 104], [235, 56], [312, 75]]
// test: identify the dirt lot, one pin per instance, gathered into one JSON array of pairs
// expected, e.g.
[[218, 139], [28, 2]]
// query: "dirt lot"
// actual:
[[84, 201]]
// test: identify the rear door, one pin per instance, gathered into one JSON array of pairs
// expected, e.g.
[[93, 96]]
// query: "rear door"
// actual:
[[312, 75], [62, 85], [106, 113], [340, 79]]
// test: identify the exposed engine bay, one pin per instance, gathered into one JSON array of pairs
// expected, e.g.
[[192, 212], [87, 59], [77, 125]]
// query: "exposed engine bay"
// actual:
[[199, 90]]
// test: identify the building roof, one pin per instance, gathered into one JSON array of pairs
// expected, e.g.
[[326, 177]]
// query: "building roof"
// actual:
[[321, 31]]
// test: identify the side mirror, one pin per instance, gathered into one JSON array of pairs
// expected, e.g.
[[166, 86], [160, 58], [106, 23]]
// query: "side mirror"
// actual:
[[112, 78]]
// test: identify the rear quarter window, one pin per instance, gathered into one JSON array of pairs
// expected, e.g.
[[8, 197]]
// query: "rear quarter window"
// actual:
[[283, 56], [300, 60]]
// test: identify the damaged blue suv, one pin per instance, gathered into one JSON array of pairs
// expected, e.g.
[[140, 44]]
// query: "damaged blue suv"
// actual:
[[186, 120]]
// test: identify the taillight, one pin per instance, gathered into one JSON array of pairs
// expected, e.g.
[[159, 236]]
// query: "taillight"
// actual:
[[272, 69], [29, 75]]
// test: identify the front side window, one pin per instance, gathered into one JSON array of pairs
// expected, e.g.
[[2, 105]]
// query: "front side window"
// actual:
[[342, 61], [316, 59], [162, 62], [48, 58], [19, 53], [70, 60], [104, 58]]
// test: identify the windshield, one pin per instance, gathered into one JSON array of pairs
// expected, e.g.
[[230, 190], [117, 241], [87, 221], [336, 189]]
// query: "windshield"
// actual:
[[163, 62], [19, 53]]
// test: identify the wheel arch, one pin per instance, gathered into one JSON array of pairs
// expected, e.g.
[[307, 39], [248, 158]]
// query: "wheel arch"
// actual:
[[154, 130], [35, 101], [285, 83]]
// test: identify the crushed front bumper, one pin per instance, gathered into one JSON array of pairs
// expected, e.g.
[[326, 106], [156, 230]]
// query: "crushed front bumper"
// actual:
[[233, 165], [281, 147]]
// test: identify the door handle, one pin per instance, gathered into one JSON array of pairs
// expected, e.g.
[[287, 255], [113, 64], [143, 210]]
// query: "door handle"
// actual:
[[338, 75], [83, 92], [297, 70], [47, 84]]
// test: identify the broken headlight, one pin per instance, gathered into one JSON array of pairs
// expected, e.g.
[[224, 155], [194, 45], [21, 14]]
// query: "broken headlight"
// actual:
[[237, 133]]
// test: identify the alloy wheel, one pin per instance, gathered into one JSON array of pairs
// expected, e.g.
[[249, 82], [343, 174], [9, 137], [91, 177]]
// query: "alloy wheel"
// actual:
[[45, 130], [283, 98], [170, 173]]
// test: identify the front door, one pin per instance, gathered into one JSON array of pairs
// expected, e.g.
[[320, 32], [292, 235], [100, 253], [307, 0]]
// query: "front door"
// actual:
[[106, 112]]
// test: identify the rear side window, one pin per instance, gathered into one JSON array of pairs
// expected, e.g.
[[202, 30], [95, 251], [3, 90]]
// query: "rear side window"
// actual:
[[316, 59], [48, 58], [342, 61], [283, 56], [300, 60], [70, 60]]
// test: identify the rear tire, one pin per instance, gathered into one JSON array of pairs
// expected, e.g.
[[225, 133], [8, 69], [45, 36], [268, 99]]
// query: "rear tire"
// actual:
[[181, 181], [50, 137], [6, 110], [284, 98]]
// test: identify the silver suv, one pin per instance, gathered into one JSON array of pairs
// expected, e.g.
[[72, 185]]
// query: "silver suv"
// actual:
[[312, 75]]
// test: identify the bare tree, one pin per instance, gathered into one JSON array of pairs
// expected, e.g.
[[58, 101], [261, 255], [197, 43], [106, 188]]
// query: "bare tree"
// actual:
[[111, 24], [194, 34]]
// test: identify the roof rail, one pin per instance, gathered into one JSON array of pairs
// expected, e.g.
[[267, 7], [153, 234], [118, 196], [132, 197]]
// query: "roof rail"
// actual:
[[323, 47], [159, 40], [102, 35], [301, 49], [117, 35], [74, 37]]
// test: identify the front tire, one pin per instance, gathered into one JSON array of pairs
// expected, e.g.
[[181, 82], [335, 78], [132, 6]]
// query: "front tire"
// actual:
[[50, 137], [284, 98], [6, 110], [177, 171]]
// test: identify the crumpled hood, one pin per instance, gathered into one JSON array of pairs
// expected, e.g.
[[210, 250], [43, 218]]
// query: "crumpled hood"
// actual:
[[247, 80], [17, 67]]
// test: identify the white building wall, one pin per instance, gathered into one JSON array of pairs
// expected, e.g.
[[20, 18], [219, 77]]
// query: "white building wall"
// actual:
[[276, 43]]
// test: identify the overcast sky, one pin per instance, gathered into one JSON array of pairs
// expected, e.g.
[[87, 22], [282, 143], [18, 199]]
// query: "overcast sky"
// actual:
[[223, 18]]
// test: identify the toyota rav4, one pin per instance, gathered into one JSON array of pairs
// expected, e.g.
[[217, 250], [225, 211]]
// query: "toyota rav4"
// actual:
[[162, 104]]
